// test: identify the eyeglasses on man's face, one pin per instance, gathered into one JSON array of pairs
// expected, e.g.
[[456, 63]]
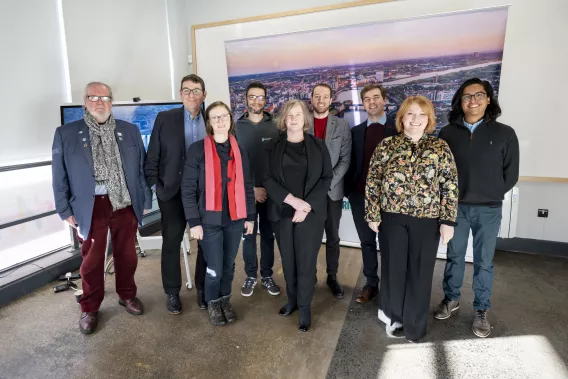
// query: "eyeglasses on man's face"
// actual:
[[256, 97], [104, 99], [478, 96], [216, 119], [195, 91]]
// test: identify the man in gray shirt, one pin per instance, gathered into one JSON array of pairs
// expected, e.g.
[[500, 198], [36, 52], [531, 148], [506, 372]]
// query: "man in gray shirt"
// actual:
[[254, 128]]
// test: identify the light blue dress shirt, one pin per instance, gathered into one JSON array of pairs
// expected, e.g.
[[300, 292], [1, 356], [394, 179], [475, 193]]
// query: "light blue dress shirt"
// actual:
[[472, 127], [194, 128], [382, 120]]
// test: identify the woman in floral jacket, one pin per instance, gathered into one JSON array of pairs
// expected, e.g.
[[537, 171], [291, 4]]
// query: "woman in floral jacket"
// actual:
[[411, 198]]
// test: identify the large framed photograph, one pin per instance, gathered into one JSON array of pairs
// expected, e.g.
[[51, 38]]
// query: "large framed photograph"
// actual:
[[430, 56]]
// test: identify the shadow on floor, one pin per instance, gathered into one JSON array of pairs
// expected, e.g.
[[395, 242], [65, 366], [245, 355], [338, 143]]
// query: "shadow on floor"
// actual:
[[529, 336]]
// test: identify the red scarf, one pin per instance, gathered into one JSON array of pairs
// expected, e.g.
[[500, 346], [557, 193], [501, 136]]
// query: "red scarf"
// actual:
[[214, 182]]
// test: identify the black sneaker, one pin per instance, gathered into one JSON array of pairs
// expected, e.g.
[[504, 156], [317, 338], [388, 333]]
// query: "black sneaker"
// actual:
[[335, 287], [248, 287], [271, 286], [174, 304]]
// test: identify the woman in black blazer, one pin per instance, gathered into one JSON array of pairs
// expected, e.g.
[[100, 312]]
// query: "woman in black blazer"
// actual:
[[217, 196], [297, 176]]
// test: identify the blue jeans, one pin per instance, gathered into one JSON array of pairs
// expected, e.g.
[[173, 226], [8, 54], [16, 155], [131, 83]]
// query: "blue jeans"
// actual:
[[220, 245], [484, 223], [266, 245]]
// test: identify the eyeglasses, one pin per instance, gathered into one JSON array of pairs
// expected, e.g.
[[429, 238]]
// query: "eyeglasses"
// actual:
[[478, 96], [216, 119], [195, 91], [104, 99], [256, 97]]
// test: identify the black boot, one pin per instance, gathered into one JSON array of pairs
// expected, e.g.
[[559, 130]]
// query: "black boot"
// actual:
[[201, 303], [216, 313], [334, 286], [228, 311]]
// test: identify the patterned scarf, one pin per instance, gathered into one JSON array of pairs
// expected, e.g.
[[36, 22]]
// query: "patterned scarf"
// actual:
[[107, 162]]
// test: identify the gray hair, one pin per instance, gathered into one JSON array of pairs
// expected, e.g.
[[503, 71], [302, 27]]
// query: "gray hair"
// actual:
[[98, 84]]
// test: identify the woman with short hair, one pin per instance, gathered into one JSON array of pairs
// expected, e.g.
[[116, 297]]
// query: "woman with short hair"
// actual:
[[412, 198], [297, 176], [218, 197]]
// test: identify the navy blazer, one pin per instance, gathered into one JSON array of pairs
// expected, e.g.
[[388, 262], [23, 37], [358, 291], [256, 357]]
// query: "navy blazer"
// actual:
[[357, 149], [74, 178]]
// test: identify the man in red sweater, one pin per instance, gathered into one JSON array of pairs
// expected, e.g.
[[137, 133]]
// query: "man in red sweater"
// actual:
[[337, 136]]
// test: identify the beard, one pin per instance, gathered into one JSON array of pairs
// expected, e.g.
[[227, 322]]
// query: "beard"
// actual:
[[255, 110], [321, 109], [101, 116]]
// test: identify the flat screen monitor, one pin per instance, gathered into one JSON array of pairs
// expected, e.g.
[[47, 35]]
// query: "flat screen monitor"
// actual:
[[142, 115]]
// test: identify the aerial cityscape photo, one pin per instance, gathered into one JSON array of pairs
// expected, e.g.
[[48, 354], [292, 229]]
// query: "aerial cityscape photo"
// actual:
[[419, 56]]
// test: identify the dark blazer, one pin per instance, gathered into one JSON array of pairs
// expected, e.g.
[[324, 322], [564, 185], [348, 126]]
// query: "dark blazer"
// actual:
[[193, 188], [73, 173], [166, 153], [358, 146], [318, 180]]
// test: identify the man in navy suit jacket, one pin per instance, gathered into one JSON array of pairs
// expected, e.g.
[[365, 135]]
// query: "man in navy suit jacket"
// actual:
[[365, 138], [99, 184]]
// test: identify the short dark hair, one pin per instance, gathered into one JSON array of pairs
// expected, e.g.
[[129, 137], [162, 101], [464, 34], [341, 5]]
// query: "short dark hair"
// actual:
[[370, 87], [258, 85], [323, 85], [208, 126], [493, 109], [194, 79]]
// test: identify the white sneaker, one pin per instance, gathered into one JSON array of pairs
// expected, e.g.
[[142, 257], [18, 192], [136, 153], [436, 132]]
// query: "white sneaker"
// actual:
[[389, 329]]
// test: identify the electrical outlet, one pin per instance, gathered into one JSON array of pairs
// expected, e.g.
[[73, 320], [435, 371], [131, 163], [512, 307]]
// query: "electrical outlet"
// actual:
[[543, 213]]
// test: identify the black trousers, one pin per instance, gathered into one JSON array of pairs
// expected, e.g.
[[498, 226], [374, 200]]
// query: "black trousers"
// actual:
[[408, 254], [334, 211], [367, 237], [299, 244], [173, 227]]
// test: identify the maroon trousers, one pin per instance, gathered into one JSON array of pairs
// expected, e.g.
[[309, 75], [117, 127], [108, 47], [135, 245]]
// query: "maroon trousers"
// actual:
[[123, 225]]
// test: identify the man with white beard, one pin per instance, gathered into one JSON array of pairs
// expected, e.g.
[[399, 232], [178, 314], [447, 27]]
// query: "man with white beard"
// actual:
[[336, 133], [255, 127]]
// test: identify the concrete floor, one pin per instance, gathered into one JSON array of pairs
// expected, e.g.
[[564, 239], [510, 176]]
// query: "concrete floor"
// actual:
[[40, 338]]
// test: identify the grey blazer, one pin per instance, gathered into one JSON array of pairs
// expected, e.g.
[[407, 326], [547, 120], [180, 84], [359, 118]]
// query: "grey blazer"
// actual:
[[338, 142], [73, 173]]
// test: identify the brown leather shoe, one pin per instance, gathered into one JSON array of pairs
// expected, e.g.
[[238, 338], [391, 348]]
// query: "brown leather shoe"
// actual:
[[367, 293], [88, 322], [133, 306]]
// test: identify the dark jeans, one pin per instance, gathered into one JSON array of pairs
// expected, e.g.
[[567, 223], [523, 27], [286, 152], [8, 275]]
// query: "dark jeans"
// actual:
[[266, 245], [484, 223], [220, 246], [123, 225], [334, 212], [408, 254], [367, 238]]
